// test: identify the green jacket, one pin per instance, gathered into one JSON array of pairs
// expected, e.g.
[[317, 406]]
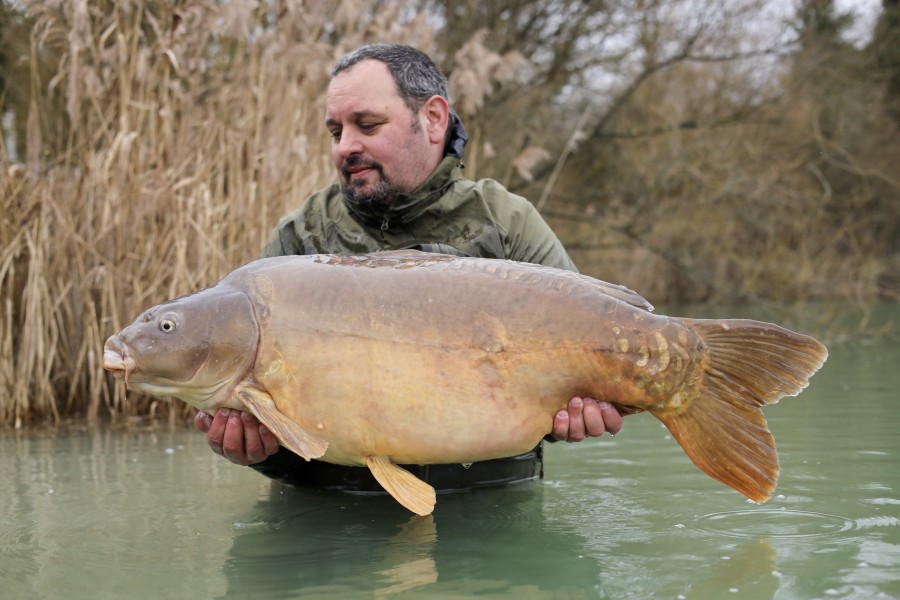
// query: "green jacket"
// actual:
[[446, 214]]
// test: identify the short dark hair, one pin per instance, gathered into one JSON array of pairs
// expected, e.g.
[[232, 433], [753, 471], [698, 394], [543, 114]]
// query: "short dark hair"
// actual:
[[415, 74]]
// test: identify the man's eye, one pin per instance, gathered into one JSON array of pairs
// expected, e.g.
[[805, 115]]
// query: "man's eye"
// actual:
[[368, 127], [336, 135]]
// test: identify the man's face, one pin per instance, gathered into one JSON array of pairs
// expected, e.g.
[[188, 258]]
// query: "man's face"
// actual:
[[378, 146]]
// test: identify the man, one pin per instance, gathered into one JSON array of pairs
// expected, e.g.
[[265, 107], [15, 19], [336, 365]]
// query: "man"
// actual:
[[397, 145]]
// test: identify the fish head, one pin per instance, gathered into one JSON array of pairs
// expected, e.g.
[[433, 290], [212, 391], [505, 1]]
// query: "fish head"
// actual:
[[195, 348]]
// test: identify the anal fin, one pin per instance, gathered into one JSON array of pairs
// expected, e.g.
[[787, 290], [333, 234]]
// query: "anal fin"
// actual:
[[289, 433], [406, 488]]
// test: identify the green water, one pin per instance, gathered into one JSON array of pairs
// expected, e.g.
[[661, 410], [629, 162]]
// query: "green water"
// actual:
[[151, 513]]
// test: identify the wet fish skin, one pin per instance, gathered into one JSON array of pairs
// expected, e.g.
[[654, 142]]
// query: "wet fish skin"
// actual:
[[408, 357]]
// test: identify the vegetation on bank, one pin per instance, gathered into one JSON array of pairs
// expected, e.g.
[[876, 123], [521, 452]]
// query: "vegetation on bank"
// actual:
[[717, 154]]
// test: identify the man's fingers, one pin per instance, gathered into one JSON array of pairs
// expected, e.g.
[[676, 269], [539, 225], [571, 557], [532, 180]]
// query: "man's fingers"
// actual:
[[259, 441], [233, 447], [576, 420], [270, 442], [253, 445], [585, 417], [202, 421], [594, 417], [561, 426], [612, 418], [215, 434]]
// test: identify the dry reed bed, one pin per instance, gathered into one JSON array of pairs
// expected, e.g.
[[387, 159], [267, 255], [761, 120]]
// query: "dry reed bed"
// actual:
[[174, 170]]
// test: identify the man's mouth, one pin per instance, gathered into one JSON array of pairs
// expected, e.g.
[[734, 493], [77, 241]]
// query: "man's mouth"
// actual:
[[355, 169]]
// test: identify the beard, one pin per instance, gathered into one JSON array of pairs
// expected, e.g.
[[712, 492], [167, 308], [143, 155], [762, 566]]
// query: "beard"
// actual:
[[377, 195]]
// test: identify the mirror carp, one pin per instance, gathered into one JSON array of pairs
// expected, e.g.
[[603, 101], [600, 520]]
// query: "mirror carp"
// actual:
[[407, 357]]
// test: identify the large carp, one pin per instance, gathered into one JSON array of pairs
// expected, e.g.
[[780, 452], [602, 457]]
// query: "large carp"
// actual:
[[413, 358]]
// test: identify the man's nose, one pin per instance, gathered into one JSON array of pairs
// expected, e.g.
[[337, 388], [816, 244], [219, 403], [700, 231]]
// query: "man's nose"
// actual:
[[349, 144]]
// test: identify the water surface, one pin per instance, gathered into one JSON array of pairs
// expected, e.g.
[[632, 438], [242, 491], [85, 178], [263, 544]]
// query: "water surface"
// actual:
[[149, 512]]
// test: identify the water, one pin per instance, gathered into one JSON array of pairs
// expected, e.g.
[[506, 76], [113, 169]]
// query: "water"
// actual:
[[146, 512]]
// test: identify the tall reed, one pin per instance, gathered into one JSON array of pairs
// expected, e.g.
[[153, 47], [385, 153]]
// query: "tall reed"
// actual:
[[190, 131]]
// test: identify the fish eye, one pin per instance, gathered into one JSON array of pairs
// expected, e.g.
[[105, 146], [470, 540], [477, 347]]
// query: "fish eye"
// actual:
[[167, 325]]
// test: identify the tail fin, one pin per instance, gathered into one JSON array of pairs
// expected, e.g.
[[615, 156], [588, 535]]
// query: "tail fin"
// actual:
[[750, 364]]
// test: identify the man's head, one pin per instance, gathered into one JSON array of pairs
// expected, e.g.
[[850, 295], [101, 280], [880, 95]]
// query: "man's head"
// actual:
[[388, 114]]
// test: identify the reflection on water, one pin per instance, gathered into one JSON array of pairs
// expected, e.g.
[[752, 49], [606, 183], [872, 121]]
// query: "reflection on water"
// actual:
[[151, 513], [749, 573], [478, 543]]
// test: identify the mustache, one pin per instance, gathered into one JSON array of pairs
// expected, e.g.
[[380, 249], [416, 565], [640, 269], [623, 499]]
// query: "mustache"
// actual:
[[354, 163]]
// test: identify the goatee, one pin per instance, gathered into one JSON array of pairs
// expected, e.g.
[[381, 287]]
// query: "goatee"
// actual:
[[378, 195]]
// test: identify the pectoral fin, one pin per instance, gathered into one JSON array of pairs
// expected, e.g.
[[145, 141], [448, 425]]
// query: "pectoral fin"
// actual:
[[289, 433], [406, 488]]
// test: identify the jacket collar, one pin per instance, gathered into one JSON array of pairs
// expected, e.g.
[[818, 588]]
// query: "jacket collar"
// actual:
[[407, 207]]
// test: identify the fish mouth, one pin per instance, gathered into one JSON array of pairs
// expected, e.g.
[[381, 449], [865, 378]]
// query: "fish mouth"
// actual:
[[117, 361]]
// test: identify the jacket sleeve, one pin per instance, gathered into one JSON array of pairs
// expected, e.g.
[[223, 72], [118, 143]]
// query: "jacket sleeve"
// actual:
[[283, 239], [527, 237], [279, 466], [535, 242]]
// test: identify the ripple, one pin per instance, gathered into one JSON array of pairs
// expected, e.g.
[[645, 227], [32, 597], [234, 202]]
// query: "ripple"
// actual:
[[774, 523], [259, 524]]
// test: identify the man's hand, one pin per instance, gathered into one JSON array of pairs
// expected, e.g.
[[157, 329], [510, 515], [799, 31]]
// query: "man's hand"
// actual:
[[238, 436], [243, 440], [585, 417]]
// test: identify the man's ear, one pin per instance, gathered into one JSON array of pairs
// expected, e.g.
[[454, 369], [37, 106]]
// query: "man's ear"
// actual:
[[435, 115]]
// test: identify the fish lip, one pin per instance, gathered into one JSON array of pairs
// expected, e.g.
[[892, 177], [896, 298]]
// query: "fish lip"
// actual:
[[118, 362]]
